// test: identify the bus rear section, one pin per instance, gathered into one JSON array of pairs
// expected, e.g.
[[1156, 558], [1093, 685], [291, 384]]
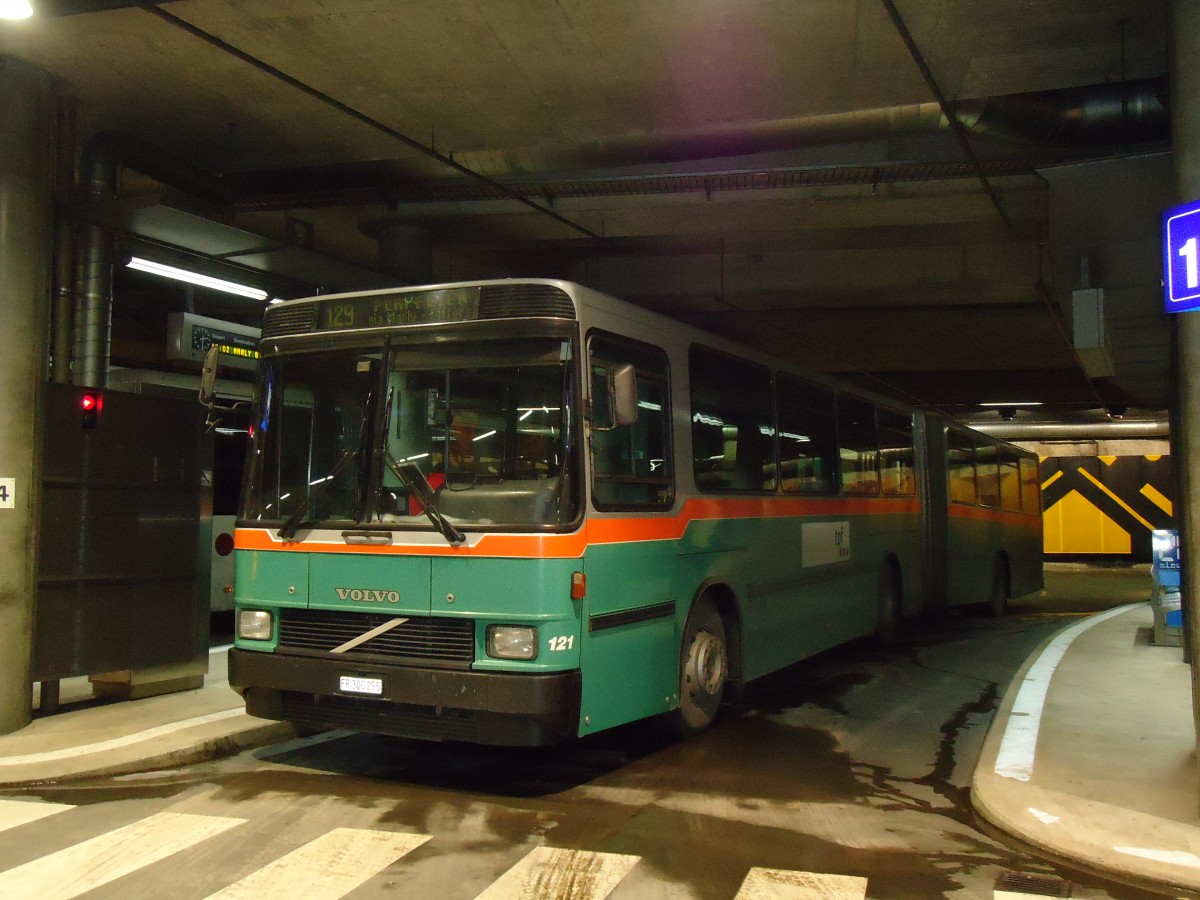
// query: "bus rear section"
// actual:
[[985, 536]]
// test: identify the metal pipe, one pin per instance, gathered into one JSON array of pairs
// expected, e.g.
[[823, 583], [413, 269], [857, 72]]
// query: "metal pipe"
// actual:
[[107, 151], [93, 308], [63, 302], [1072, 431]]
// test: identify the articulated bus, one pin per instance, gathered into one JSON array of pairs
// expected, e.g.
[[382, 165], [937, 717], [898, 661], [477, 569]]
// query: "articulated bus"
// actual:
[[514, 512]]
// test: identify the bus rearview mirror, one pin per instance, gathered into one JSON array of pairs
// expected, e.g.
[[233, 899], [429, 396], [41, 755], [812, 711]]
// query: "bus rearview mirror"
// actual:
[[208, 376]]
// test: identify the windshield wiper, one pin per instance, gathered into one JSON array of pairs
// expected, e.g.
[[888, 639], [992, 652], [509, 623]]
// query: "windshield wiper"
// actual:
[[293, 521], [414, 479]]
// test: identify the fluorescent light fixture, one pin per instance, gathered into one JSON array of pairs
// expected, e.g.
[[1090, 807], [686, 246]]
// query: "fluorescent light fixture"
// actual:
[[1011, 403], [15, 9], [217, 284]]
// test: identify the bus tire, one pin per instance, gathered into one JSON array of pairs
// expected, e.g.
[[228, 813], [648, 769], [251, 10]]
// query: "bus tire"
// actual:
[[888, 626], [703, 669], [997, 606]]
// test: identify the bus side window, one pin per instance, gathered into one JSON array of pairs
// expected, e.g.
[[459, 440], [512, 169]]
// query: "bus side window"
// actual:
[[733, 423], [1031, 496], [987, 473], [858, 445], [1010, 482], [631, 464], [807, 437], [897, 463], [961, 468]]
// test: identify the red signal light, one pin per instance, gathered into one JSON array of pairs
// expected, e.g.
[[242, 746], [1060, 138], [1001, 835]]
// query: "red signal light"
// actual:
[[91, 404]]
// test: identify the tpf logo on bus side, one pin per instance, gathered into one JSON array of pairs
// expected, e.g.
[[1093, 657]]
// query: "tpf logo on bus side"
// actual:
[[822, 543]]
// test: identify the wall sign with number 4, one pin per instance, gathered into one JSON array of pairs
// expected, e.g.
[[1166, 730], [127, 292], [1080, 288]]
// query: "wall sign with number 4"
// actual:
[[1181, 257], [8, 493]]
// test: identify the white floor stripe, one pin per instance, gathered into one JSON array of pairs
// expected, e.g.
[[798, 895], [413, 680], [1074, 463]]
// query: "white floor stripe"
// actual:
[[550, 874], [325, 868], [1018, 747], [116, 743], [21, 812], [90, 864], [783, 884]]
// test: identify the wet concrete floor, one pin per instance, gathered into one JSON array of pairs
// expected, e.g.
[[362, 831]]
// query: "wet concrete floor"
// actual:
[[857, 762]]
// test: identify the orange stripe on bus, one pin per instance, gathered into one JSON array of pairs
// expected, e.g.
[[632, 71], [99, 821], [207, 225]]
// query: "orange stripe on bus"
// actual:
[[597, 530]]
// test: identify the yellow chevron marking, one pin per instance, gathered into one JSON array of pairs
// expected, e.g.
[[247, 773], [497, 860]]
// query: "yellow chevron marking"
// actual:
[[1053, 478], [1154, 457], [1155, 496], [1121, 503], [1107, 460]]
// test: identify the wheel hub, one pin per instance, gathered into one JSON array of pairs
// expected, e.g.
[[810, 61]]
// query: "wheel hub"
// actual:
[[707, 663]]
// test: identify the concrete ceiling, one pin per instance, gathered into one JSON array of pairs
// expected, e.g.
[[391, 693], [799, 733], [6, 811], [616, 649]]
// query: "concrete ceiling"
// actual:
[[779, 170]]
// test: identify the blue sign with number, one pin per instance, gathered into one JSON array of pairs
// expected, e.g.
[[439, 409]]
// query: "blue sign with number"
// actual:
[[1181, 257]]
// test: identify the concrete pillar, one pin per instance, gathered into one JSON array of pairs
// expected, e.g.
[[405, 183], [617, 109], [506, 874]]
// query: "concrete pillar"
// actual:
[[1185, 129], [26, 152]]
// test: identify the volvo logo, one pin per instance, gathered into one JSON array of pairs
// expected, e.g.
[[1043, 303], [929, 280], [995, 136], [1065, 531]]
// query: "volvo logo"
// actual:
[[368, 596]]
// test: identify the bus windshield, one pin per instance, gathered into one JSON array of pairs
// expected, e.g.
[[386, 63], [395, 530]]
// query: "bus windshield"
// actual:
[[487, 423]]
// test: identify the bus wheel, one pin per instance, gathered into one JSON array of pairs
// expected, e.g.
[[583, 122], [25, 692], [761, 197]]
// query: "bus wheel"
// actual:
[[704, 666], [889, 608], [998, 605]]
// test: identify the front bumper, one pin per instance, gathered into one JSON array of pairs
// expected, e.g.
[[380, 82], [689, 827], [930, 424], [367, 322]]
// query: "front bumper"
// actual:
[[431, 704]]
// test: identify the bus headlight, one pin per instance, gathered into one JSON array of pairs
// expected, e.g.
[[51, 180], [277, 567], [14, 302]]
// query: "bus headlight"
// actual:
[[512, 642], [254, 625]]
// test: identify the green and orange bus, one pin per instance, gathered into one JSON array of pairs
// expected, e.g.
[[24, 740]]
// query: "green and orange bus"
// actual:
[[519, 511]]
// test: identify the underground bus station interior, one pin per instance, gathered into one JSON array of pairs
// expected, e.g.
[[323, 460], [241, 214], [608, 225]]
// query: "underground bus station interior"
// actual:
[[577, 450]]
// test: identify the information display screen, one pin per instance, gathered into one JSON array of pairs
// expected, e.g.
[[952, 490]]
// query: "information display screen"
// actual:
[[384, 310]]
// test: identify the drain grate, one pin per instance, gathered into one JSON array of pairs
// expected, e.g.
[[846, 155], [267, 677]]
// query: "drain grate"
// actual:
[[1033, 885]]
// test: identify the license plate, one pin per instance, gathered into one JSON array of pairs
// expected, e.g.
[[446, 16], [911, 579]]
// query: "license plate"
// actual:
[[352, 684]]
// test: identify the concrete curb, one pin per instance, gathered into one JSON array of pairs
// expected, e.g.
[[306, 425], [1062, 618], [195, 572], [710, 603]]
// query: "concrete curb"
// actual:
[[184, 747], [1093, 835]]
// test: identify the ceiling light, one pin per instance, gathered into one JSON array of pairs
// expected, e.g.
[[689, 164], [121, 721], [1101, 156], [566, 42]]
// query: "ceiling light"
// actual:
[[216, 284], [1020, 403], [15, 9]]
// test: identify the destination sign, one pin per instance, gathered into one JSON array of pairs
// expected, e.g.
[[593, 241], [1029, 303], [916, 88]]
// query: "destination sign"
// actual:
[[393, 310]]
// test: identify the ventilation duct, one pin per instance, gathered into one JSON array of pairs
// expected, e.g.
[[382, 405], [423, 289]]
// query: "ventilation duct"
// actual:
[[1106, 114]]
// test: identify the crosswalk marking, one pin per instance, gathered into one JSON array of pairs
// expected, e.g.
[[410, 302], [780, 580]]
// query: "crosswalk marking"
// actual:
[[325, 868], [783, 884], [87, 865], [22, 812], [343, 859], [551, 874]]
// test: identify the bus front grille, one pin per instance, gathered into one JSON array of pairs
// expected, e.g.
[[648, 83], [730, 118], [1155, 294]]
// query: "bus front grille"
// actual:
[[422, 639]]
